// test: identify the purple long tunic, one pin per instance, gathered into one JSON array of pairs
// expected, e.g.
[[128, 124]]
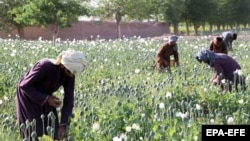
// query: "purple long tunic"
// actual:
[[35, 87], [225, 66]]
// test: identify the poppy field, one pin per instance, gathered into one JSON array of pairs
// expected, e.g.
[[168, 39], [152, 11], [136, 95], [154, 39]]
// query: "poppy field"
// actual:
[[120, 97]]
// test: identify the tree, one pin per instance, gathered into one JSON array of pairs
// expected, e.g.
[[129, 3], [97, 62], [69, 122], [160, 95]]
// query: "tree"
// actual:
[[153, 10], [212, 16], [58, 13], [137, 10], [7, 24], [239, 13], [111, 9], [198, 11], [118, 9], [173, 13]]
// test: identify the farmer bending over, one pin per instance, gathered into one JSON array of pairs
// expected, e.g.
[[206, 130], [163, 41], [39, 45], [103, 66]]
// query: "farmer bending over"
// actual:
[[218, 46], [224, 68], [162, 59], [34, 95], [228, 37]]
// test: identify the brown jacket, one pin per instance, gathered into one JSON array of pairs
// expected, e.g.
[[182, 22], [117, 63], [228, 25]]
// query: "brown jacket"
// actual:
[[218, 48], [163, 54]]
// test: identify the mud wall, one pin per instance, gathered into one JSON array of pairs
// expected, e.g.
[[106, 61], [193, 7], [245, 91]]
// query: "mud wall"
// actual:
[[93, 29]]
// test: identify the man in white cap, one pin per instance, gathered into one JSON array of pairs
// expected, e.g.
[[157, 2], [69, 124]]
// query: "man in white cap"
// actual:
[[162, 59], [34, 95]]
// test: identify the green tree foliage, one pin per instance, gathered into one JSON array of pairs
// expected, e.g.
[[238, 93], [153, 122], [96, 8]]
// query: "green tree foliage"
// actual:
[[223, 13], [136, 9], [7, 23], [198, 11], [59, 13], [111, 9], [154, 9], [239, 13], [174, 10], [118, 9]]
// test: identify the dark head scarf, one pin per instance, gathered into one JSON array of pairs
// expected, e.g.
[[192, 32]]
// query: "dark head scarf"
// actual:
[[207, 55]]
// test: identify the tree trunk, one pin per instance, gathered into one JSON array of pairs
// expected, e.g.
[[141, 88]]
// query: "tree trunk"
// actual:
[[245, 25], [196, 27], [210, 27], [218, 27], [237, 27], [223, 27], [55, 32], [20, 32], [231, 27], [176, 30], [118, 18], [54, 29], [203, 28], [118, 32], [187, 28]]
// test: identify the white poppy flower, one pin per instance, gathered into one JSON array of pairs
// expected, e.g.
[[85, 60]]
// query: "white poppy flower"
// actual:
[[161, 105], [212, 121], [198, 107], [223, 81], [128, 129], [135, 126], [6, 98], [240, 73], [137, 70], [117, 139], [96, 126], [168, 95], [230, 120], [195, 138], [241, 101], [143, 115]]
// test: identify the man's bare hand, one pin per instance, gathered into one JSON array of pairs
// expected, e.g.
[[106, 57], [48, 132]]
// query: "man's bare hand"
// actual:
[[62, 133], [54, 101]]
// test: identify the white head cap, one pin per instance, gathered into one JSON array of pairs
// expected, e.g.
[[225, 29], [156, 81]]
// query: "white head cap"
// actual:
[[74, 61]]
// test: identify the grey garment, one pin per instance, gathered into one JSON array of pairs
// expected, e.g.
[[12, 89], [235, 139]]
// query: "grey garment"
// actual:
[[175, 48], [227, 38]]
